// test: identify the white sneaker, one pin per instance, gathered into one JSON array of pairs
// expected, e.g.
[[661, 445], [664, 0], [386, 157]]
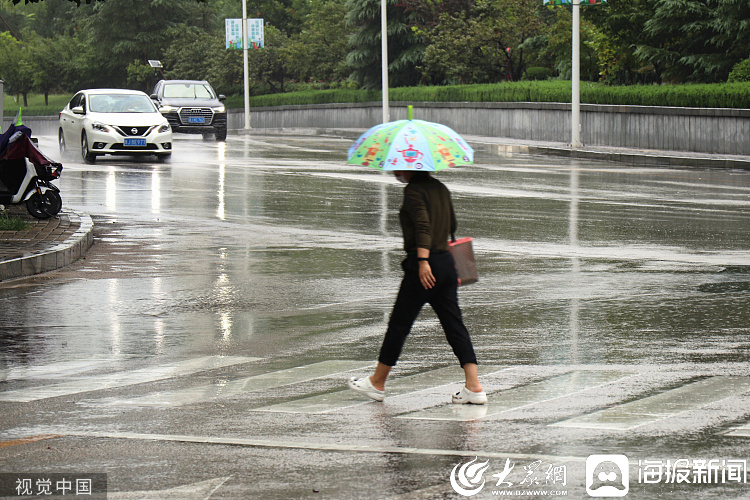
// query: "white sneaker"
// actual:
[[364, 386], [465, 396]]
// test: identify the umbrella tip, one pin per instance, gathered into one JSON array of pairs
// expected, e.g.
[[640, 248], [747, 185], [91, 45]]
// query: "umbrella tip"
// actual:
[[410, 111]]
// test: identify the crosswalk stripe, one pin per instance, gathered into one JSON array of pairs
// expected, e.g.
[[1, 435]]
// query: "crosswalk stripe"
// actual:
[[520, 397], [322, 446], [234, 387], [739, 431], [53, 370], [122, 379], [396, 386], [658, 407]]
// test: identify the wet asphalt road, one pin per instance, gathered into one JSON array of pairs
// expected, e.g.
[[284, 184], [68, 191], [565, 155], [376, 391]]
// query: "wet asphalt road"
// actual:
[[200, 349]]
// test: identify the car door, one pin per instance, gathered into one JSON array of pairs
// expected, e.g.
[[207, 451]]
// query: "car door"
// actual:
[[70, 122]]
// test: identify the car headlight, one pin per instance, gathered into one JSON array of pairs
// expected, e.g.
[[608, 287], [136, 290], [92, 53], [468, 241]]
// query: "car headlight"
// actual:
[[100, 127], [167, 109], [164, 128], [220, 109]]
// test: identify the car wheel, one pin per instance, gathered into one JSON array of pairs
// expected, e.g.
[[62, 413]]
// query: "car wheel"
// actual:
[[221, 134], [61, 142], [87, 156]]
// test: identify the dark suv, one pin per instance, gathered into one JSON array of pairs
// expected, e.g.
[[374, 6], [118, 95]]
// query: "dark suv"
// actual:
[[191, 107]]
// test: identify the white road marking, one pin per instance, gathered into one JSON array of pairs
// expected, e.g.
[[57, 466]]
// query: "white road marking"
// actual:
[[333, 401], [739, 431], [521, 397], [234, 387], [53, 370], [122, 379], [318, 446], [202, 490], [661, 406]]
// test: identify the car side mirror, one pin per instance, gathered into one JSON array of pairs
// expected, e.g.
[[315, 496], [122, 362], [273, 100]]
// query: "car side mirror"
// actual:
[[78, 110], [154, 97], [222, 97]]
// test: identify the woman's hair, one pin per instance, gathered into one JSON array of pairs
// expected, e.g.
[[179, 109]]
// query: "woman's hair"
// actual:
[[420, 176]]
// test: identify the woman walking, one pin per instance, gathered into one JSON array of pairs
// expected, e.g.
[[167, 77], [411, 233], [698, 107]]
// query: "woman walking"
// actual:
[[427, 220]]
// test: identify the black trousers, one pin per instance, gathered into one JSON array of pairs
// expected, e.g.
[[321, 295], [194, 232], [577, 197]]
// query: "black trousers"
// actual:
[[443, 298]]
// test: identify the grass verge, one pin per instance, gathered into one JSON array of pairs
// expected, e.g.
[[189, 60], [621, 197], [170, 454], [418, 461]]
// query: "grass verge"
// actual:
[[12, 223]]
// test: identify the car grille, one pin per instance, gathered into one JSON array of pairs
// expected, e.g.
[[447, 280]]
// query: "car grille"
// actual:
[[121, 146], [133, 131], [187, 113]]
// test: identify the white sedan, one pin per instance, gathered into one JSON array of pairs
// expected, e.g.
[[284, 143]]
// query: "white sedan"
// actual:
[[114, 122]]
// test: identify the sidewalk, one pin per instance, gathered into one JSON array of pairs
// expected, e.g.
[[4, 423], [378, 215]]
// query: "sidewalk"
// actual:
[[48, 245], [628, 156]]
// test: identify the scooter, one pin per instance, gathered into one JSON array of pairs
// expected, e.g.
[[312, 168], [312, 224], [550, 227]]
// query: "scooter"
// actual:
[[26, 174]]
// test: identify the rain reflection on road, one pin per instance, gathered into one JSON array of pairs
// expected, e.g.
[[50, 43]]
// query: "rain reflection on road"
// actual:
[[271, 245], [231, 292]]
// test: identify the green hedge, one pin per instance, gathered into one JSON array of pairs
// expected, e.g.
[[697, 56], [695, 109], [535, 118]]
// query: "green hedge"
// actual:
[[720, 95], [724, 95]]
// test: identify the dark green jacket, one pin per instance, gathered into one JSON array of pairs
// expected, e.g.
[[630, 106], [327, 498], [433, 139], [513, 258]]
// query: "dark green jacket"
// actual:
[[427, 217]]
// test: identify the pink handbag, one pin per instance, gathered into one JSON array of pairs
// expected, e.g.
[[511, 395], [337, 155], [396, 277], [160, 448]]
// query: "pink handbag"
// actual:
[[466, 264]]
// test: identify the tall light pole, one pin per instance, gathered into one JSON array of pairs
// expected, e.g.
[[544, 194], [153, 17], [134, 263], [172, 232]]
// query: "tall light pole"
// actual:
[[384, 52], [244, 58], [575, 118]]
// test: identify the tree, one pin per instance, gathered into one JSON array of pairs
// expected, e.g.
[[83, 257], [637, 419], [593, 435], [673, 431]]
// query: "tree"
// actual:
[[620, 26], [267, 65], [16, 68], [318, 52], [77, 2], [696, 40], [463, 50], [140, 33], [560, 46], [198, 54], [490, 44], [405, 45]]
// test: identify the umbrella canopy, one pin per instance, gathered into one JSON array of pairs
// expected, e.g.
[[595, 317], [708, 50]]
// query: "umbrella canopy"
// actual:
[[410, 145]]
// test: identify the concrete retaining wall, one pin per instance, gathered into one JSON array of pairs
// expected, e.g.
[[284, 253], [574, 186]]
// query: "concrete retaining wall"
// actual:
[[700, 130]]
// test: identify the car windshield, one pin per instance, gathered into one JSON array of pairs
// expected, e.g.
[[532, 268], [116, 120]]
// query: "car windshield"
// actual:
[[188, 91], [120, 103]]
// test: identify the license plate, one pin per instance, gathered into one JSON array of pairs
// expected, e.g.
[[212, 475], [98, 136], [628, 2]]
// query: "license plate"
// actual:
[[196, 119], [135, 142]]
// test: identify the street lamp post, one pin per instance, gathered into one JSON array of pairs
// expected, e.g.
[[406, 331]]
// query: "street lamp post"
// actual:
[[244, 58], [575, 119], [384, 52]]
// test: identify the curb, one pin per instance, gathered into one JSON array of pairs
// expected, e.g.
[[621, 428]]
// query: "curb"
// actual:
[[627, 157], [55, 257]]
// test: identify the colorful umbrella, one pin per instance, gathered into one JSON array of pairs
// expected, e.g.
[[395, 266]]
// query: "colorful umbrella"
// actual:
[[410, 145]]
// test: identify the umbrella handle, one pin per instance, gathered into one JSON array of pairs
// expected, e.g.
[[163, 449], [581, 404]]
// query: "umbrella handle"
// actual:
[[409, 111]]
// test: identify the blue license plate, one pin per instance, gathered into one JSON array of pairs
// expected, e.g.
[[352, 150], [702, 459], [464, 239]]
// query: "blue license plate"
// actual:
[[196, 119], [135, 142]]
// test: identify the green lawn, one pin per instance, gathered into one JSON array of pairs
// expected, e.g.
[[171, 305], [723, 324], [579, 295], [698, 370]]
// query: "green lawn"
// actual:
[[36, 105]]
